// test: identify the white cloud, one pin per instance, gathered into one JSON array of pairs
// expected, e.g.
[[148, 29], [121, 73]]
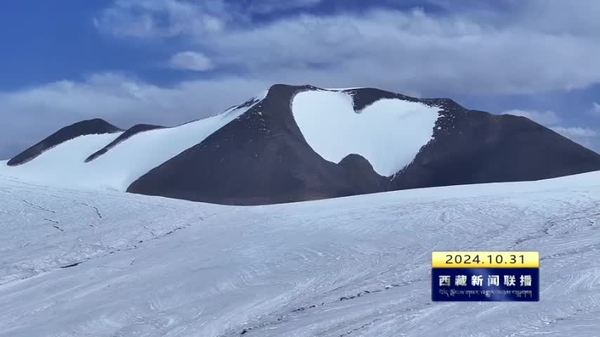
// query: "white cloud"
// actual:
[[162, 18], [576, 132], [189, 60], [548, 118], [172, 18], [267, 6], [596, 108], [582, 135], [464, 53]]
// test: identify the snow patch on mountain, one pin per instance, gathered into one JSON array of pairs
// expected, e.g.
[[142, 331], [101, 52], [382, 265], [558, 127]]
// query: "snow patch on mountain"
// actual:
[[388, 133], [64, 165]]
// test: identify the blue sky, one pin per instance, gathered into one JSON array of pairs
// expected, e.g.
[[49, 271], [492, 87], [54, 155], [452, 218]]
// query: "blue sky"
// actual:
[[170, 61]]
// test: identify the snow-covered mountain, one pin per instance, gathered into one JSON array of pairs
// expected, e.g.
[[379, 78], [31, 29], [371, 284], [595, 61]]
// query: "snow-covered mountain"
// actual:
[[301, 143], [90, 263]]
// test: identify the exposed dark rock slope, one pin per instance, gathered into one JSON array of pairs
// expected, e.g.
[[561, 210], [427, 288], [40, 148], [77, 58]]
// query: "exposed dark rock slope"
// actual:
[[477, 147], [259, 158]]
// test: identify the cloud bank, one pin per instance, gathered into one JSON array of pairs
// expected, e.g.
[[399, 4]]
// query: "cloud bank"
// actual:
[[529, 48]]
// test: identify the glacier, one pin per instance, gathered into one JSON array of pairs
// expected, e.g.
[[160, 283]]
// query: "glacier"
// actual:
[[76, 262]]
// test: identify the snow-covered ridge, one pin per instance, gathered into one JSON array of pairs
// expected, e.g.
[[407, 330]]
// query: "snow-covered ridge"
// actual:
[[388, 133], [64, 164]]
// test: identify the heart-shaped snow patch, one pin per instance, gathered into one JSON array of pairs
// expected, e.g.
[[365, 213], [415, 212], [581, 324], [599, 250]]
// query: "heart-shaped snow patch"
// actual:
[[388, 133]]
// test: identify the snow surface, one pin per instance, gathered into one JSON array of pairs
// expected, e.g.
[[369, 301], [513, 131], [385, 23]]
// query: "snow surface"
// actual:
[[388, 133], [64, 165], [357, 266]]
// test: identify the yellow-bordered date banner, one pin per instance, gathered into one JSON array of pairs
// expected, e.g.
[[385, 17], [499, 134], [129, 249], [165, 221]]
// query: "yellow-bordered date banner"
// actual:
[[485, 276]]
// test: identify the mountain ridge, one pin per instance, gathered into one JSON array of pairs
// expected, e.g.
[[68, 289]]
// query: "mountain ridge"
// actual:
[[82, 128], [273, 149]]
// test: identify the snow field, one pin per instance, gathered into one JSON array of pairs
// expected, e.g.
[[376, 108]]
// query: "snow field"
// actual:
[[130, 265], [388, 133]]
